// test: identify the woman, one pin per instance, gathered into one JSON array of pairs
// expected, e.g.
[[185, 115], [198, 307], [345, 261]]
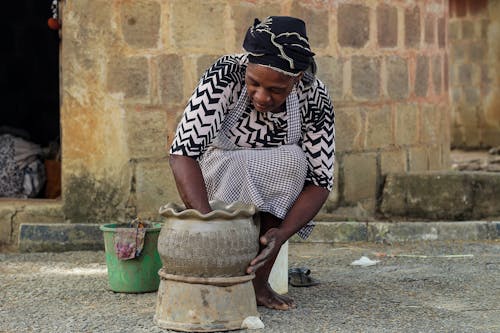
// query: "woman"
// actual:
[[259, 128]]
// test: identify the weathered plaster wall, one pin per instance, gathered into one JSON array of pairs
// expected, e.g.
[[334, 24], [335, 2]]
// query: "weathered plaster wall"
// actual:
[[128, 67], [474, 42], [96, 165]]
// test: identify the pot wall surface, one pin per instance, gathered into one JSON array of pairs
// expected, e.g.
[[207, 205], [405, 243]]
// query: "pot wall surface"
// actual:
[[219, 244]]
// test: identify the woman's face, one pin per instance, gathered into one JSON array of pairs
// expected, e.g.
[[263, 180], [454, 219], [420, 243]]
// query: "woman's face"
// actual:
[[267, 88]]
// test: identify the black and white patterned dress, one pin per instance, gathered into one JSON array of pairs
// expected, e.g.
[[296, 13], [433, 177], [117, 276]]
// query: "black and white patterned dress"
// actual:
[[255, 157]]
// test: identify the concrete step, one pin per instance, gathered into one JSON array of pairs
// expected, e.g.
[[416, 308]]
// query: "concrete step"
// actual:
[[400, 232], [441, 195], [59, 237]]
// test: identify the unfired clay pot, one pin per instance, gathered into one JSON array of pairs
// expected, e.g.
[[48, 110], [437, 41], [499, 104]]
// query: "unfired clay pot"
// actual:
[[218, 244]]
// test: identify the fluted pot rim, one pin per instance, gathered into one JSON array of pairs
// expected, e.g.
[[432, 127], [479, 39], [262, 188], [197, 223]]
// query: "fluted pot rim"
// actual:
[[221, 210]]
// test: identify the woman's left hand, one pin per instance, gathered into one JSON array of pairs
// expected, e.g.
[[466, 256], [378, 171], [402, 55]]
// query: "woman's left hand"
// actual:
[[271, 241]]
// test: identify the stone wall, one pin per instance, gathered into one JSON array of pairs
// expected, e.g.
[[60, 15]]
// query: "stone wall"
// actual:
[[128, 67], [385, 65], [474, 43]]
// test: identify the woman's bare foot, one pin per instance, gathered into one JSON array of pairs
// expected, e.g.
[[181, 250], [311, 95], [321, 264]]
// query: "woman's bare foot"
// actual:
[[267, 297], [263, 263]]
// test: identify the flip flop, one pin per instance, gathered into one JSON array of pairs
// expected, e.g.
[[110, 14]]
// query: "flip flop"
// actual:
[[300, 277]]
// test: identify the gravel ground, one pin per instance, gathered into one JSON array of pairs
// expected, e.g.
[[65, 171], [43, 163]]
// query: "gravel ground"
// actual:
[[416, 287]]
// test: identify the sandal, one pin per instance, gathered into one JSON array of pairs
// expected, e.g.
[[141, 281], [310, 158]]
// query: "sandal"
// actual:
[[300, 277]]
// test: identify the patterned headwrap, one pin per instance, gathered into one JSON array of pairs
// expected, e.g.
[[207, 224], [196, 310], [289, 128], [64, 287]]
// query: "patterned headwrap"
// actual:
[[281, 43]]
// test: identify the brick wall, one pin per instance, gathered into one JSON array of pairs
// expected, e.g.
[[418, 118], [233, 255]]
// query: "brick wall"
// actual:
[[128, 68], [391, 98], [474, 38]]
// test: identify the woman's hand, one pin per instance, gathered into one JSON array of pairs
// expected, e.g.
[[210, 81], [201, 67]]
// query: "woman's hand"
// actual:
[[271, 244], [190, 183]]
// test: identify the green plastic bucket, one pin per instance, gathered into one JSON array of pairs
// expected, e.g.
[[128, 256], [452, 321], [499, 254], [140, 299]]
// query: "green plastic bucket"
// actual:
[[135, 275]]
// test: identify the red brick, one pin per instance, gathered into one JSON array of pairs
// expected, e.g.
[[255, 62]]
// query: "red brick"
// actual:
[[412, 27], [484, 28], [476, 7], [397, 77], [446, 71], [452, 8], [436, 74], [316, 20], [441, 32], [422, 76], [387, 26], [460, 8], [467, 29], [365, 77], [430, 29], [353, 25], [244, 12]]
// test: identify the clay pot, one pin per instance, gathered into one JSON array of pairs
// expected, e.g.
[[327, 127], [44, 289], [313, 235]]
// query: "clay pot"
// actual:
[[196, 304], [218, 244]]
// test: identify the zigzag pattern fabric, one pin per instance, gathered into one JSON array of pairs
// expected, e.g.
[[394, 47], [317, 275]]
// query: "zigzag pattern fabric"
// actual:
[[217, 94]]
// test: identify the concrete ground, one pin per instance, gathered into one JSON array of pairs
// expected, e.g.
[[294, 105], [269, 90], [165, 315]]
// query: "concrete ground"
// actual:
[[416, 287]]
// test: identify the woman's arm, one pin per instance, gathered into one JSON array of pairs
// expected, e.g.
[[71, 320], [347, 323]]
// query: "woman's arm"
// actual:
[[200, 123], [190, 183], [307, 205]]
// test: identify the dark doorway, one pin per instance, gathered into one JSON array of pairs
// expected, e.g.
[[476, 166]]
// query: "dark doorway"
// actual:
[[29, 73]]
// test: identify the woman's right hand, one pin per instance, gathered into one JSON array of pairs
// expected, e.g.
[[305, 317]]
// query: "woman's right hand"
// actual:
[[190, 183], [271, 241]]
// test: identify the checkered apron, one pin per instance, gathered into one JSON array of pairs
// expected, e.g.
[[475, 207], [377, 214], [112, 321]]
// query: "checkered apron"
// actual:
[[271, 178]]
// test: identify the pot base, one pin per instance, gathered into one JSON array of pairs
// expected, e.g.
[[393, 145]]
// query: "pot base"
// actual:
[[193, 304]]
